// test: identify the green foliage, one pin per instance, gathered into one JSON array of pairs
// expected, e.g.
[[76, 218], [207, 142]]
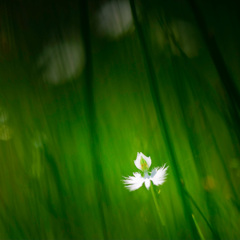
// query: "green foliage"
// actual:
[[65, 147]]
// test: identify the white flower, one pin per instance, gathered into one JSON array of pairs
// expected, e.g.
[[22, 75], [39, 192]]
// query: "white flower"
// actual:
[[114, 19], [142, 162], [157, 176]]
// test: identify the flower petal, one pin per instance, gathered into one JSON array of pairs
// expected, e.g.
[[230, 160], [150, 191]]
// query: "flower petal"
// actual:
[[138, 161], [158, 175], [147, 183], [134, 182]]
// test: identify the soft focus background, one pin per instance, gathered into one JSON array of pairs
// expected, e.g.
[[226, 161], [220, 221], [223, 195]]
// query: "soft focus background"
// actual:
[[85, 85]]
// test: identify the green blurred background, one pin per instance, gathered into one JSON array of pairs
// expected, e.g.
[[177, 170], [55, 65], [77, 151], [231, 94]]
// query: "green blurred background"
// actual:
[[85, 85]]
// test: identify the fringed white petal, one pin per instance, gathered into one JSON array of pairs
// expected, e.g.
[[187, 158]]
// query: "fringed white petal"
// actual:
[[138, 159], [158, 175], [134, 182]]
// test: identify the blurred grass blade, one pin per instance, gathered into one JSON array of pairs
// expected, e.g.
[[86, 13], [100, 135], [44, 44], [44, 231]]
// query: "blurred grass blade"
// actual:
[[198, 228], [100, 189], [215, 234], [161, 117]]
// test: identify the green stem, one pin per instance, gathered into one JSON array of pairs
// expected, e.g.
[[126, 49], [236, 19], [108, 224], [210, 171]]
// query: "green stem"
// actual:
[[157, 206]]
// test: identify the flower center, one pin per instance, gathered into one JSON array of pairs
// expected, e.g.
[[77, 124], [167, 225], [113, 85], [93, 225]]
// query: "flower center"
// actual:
[[144, 165]]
